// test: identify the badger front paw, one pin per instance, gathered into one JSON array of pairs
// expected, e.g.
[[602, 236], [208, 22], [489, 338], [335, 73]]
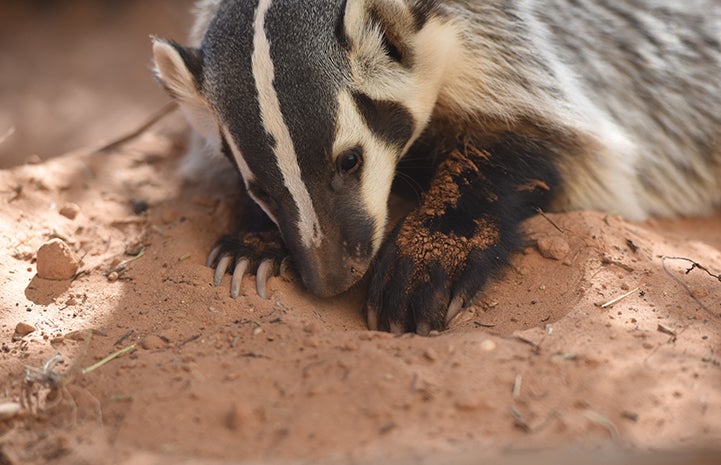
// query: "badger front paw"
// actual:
[[427, 271], [260, 253]]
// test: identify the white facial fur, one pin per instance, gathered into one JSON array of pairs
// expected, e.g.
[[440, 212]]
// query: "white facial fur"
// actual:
[[378, 76], [272, 117]]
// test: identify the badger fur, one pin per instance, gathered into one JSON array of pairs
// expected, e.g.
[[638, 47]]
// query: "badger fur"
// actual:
[[521, 104]]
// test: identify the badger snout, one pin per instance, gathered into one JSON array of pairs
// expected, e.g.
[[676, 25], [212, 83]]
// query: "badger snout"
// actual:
[[327, 273]]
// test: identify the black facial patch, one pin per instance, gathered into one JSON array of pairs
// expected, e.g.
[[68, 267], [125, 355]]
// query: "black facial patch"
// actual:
[[391, 121]]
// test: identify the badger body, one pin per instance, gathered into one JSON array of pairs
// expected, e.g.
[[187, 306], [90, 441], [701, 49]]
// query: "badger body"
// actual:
[[553, 104]]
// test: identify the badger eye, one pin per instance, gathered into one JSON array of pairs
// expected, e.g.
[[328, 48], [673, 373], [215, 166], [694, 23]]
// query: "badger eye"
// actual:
[[350, 160]]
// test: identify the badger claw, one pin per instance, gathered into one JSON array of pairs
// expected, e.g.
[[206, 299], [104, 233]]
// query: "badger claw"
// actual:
[[453, 308], [261, 277], [212, 256], [238, 273], [221, 268], [259, 253]]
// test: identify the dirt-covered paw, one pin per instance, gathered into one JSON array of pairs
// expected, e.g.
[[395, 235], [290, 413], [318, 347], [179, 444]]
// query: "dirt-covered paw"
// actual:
[[439, 256], [423, 278], [260, 253]]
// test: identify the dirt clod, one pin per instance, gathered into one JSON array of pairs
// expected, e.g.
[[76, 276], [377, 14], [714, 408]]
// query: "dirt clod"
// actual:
[[553, 247], [56, 261], [70, 210], [23, 329], [152, 342]]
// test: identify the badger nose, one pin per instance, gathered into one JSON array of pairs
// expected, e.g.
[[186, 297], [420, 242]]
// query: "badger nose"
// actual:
[[326, 274]]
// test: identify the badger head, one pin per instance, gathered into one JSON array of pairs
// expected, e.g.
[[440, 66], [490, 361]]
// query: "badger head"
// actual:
[[315, 101]]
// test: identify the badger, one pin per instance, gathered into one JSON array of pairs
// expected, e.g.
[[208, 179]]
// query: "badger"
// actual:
[[514, 106]]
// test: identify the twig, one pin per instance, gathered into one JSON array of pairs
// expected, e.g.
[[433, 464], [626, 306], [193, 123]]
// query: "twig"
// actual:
[[122, 265], [602, 421], [694, 265], [619, 298], [540, 212], [124, 337], [107, 359], [682, 284], [144, 126], [517, 387]]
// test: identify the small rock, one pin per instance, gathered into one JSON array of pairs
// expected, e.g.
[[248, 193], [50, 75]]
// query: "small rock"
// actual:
[[152, 342], [553, 247], [69, 210], [9, 410], [430, 354], [23, 329], [488, 346], [55, 261]]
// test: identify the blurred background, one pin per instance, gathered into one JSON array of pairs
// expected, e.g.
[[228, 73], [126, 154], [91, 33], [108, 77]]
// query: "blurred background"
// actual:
[[77, 72]]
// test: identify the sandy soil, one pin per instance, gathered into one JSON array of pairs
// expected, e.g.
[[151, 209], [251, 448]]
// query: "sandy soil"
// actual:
[[538, 368], [537, 362]]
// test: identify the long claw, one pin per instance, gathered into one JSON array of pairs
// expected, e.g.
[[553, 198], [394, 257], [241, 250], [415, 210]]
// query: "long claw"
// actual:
[[238, 273], [396, 328], [423, 329], [453, 308], [372, 318], [221, 269], [261, 277], [212, 256]]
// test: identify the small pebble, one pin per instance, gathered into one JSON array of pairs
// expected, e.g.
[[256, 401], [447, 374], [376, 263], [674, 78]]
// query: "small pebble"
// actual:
[[488, 346], [55, 261], [430, 354], [23, 329], [553, 247], [69, 210], [9, 410]]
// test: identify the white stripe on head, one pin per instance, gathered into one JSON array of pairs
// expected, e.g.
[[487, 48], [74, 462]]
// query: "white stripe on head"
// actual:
[[272, 117], [245, 171]]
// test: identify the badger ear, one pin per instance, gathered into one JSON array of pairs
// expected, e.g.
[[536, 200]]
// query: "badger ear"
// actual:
[[395, 21], [179, 69]]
